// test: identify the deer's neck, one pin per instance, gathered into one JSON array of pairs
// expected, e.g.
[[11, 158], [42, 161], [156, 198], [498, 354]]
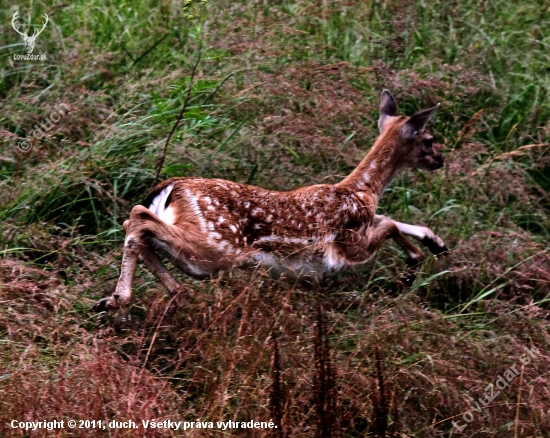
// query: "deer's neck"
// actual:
[[378, 168]]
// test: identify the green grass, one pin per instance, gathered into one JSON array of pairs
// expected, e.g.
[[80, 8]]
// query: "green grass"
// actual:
[[285, 95]]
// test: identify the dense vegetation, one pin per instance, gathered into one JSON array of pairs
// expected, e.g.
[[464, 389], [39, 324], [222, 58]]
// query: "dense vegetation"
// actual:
[[278, 94]]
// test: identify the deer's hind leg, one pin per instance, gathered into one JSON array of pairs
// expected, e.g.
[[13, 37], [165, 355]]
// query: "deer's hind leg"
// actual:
[[157, 268], [123, 291], [143, 230]]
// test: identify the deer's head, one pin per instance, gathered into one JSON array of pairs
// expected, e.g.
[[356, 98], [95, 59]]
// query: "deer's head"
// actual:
[[416, 143], [29, 40]]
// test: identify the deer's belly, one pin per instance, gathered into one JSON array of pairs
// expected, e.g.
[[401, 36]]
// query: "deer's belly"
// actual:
[[316, 263]]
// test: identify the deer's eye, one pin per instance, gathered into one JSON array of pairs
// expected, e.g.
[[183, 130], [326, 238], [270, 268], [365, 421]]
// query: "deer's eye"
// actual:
[[428, 142]]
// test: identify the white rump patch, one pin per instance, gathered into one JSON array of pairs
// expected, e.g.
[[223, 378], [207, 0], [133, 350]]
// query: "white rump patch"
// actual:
[[158, 206]]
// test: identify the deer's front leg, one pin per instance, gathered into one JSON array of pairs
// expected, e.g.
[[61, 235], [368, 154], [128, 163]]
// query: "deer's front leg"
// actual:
[[426, 236], [385, 229], [362, 248]]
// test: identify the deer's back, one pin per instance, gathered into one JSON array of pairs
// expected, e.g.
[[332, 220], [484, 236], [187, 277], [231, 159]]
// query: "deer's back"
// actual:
[[250, 224]]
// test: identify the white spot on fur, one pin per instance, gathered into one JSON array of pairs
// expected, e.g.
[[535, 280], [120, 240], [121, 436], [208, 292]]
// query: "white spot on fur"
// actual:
[[196, 209], [214, 239]]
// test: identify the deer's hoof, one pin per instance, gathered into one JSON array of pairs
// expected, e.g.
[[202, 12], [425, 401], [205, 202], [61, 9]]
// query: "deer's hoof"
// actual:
[[436, 246], [413, 266], [408, 279], [103, 305]]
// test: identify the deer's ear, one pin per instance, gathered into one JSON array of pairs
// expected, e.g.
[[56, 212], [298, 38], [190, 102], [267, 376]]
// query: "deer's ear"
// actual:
[[388, 108], [416, 124]]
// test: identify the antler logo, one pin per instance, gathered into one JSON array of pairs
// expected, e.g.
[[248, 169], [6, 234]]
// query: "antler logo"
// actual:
[[29, 40]]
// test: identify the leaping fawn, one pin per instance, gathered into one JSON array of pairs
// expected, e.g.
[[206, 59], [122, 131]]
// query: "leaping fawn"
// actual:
[[207, 225]]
